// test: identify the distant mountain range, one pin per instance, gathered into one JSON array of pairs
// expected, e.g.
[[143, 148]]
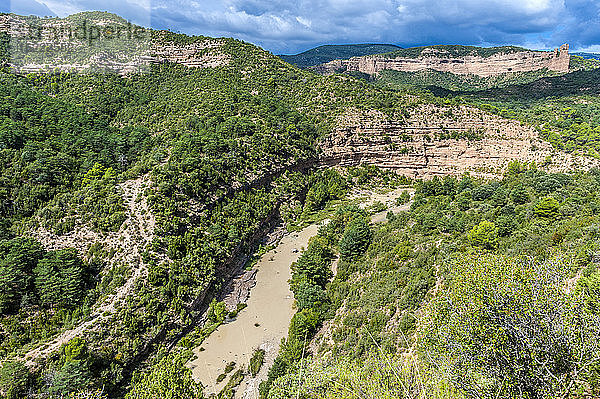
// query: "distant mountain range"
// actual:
[[322, 54], [589, 56]]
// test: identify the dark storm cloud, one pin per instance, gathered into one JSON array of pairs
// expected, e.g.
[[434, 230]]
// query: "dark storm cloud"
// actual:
[[582, 23], [289, 26]]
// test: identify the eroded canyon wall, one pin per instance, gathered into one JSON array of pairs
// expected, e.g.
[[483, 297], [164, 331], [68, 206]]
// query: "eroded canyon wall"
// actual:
[[436, 141], [49, 45], [440, 60]]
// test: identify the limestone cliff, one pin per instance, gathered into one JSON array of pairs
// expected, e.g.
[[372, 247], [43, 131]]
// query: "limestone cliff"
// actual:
[[100, 43], [435, 140], [442, 60]]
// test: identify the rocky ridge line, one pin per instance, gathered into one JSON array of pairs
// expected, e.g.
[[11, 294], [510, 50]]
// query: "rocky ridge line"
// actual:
[[439, 60]]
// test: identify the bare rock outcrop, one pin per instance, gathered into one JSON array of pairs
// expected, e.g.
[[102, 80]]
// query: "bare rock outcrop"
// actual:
[[50, 45], [437, 140], [440, 60]]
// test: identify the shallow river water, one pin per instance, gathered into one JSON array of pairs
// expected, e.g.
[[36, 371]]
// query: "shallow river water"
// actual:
[[260, 325], [265, 321]]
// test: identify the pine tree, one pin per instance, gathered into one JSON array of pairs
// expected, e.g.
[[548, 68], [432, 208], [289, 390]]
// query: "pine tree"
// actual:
[[357, 237], [60, 279], [19, 258]]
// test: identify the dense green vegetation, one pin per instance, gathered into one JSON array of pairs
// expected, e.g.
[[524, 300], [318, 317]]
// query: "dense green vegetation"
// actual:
[[221, 154], [455, 51], [310, 276], [47, 147], [450, 81], [168, 379], [256, 362], [564, 108], [498, 322], [218, 150], [508, 321], [322, 54], [583, 63]]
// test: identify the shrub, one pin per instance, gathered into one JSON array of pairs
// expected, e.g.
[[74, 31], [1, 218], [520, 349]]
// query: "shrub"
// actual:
[[484, 235], [14, 379], [61, 278], [519, 195], [314, 264], [506, 225], [73, 376], [217, 311], [256, 362], [505, 327], [483, 192], [308, 294], [547, 208], [463, 200], [75, 349], [168, 379], [304, 324], [403, 198], [376, 376], [18, 258]]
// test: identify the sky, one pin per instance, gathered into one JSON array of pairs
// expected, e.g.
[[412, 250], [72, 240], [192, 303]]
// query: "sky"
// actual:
[[292, 26]]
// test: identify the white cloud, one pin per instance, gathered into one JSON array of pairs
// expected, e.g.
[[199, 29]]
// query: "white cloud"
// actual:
[[535, 5], [26, 7], [590, 49], [304, 21], [62, 8]]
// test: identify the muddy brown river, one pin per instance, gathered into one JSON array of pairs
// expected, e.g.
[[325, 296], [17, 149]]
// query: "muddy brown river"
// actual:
[[260, 325], [265, 321]]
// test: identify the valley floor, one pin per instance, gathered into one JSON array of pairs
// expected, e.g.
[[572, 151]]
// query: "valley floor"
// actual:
[[265, 320], [262, 324]]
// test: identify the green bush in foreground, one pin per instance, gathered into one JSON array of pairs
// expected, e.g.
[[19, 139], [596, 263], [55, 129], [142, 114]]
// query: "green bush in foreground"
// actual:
[[377, 376], [506, 327]]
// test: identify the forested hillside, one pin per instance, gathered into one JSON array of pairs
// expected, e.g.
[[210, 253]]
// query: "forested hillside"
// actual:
[[129, 201], [450, 81], [564, 108], [322, 54], [482, 289], [455, 51], [214, 152]]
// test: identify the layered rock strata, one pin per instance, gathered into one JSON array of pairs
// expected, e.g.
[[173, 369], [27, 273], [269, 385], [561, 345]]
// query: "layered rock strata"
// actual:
[[55, 45], [441, 60], [437, 141]]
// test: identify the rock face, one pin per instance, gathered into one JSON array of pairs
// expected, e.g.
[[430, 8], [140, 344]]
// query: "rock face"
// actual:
[[441, 60], [47, 45], [203, 54], [436, 141]]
